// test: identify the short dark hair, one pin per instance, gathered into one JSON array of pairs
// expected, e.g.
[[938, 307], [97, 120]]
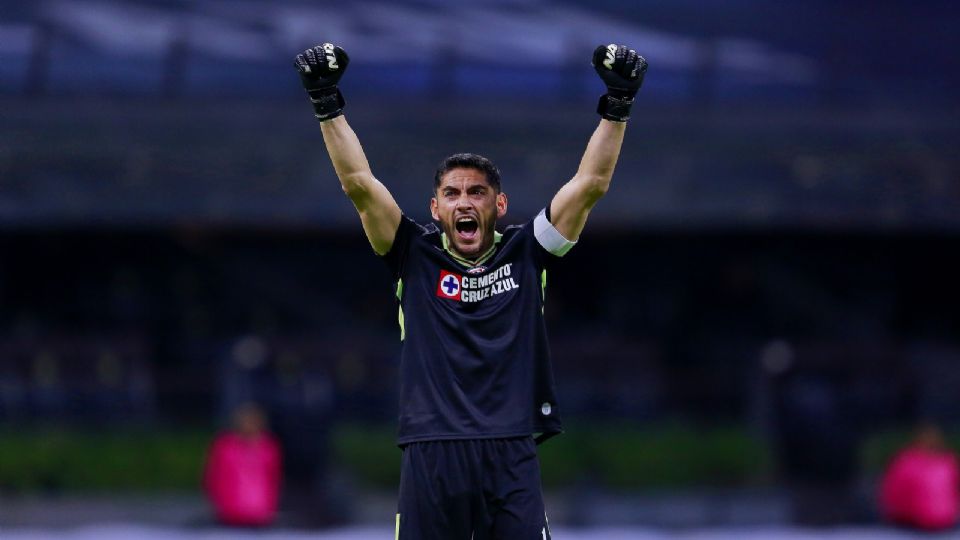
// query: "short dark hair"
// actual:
[[468, 161]]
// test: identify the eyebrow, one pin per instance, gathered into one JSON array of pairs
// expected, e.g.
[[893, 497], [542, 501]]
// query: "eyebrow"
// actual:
[[474, 186], [480, 186]]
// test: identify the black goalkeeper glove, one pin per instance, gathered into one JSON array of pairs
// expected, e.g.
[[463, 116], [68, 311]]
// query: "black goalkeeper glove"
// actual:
[[320, 68], [622, 71]]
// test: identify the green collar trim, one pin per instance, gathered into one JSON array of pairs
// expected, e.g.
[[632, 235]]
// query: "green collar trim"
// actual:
[[467, 262]]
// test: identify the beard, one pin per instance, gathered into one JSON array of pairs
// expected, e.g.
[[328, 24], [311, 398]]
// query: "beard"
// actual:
[[470, 246]]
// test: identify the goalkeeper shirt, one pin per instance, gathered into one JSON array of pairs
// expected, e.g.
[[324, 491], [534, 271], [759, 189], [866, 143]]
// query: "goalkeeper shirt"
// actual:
[[475, 363]]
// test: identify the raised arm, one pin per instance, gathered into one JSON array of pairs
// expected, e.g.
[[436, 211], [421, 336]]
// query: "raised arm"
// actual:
[[378, 210], [320, 69], [572, 204], [622, 70]]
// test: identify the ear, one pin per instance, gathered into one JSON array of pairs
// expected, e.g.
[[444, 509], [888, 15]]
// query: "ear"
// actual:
[[501, 204], [434, 209]]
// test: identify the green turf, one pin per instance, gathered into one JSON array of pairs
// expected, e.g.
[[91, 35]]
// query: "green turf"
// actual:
[[612, 455], [52, 460]]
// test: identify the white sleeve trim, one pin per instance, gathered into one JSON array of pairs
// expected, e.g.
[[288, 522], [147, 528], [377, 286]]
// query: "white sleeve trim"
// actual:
[[549, 237]]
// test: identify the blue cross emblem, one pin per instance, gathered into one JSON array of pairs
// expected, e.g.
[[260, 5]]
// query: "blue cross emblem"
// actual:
[[451, 285]]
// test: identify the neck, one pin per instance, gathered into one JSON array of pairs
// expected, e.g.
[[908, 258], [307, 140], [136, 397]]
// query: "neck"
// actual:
[[474, 260]]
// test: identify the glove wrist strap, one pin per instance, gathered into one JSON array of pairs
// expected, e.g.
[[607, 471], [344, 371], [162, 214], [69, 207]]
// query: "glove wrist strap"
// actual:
[[327, 102], [615, 108]]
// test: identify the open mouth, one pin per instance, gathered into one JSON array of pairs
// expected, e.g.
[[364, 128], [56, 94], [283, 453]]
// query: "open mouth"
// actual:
[[467, 227]]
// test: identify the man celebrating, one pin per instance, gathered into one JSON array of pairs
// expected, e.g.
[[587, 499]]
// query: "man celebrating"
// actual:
[[476, 384]]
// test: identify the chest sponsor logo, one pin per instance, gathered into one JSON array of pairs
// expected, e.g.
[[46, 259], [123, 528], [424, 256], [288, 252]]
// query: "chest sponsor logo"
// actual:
[[449, 285], [474, 289]]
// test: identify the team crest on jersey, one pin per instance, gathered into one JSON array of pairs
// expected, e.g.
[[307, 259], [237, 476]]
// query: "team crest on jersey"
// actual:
[[474, 289], [449, 285]]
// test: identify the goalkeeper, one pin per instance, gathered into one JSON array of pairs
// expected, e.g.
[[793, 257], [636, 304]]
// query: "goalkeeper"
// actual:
[[476, 383]]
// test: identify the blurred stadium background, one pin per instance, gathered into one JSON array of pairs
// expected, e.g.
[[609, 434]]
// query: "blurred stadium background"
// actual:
[[754, 319]]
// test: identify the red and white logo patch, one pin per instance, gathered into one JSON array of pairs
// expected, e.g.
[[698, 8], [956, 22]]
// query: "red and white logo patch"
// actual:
[[450, 285]]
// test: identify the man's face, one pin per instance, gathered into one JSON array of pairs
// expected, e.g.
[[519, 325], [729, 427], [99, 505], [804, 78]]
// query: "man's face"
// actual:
[[467, 207]]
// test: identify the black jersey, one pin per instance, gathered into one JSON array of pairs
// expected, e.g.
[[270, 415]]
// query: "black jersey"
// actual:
[[475, 362]]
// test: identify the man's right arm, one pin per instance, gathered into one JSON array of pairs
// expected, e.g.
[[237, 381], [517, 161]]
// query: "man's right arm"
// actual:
[[320, 69], [378, 211]]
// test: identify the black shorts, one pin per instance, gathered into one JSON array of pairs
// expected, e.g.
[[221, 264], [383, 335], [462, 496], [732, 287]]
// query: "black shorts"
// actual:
[[479, 489]]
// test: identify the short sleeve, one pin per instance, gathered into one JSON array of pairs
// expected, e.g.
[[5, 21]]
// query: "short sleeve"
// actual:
[[397, 255]]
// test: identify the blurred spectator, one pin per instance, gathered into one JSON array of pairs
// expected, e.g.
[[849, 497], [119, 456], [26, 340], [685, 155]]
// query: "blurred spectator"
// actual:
[[920, 487], [242, 476]]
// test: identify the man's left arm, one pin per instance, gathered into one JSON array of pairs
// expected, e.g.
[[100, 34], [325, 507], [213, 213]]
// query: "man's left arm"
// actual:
[[622, 70]]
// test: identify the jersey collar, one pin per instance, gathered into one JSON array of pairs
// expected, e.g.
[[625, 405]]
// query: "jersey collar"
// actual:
[[467, 262]]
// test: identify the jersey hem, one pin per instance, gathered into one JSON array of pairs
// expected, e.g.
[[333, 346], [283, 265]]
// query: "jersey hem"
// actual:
[[402, 441]]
